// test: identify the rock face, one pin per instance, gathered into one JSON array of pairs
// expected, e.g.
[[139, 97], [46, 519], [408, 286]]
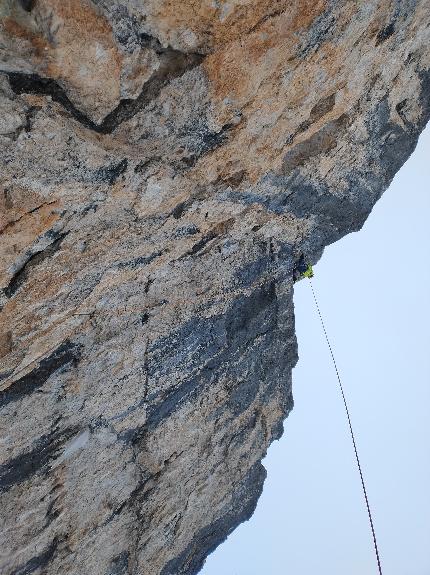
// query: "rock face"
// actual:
[[166, 170]]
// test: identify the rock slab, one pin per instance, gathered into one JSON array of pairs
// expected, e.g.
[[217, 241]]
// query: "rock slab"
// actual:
[[166, 171]]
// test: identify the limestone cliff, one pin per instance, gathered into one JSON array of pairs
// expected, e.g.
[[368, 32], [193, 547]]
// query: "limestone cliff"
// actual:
[[165, 168]]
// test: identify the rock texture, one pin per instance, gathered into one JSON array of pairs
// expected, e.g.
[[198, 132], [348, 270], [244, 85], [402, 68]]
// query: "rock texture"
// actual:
[[167, 168]]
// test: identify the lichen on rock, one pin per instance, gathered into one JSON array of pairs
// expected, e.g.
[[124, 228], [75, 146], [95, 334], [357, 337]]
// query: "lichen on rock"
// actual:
[[165, 168]]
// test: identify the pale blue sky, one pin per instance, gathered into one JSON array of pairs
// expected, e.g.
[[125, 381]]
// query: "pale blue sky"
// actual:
[[373, 288]]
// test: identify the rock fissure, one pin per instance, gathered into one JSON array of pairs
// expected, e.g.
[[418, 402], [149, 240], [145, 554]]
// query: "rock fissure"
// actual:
[[174, 65], [21, 275]]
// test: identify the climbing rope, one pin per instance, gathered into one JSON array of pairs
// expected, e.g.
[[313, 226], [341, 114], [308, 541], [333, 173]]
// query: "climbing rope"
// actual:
[[350, 426]]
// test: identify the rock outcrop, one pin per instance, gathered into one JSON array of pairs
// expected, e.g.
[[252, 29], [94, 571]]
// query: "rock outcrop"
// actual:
[[166, 168]]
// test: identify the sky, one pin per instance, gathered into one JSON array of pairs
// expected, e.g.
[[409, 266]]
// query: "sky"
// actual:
[[373, 288]]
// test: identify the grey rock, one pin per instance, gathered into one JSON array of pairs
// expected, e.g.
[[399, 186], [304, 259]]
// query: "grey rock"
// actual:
[[157, 203]]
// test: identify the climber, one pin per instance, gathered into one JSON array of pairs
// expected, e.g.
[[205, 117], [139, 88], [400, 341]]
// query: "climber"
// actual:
[[309, 273], [302, 269]]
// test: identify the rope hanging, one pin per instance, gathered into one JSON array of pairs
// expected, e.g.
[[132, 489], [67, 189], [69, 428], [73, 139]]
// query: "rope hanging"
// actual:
[[350, 426]]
